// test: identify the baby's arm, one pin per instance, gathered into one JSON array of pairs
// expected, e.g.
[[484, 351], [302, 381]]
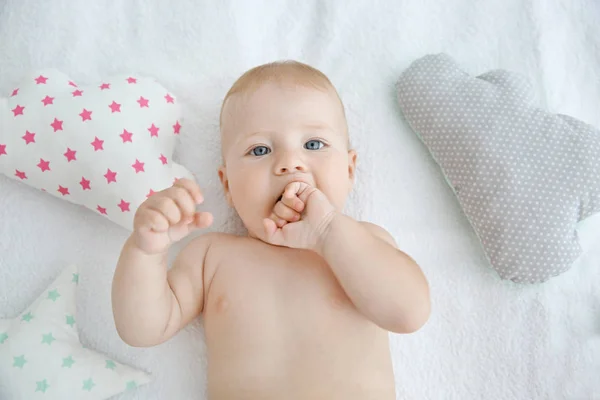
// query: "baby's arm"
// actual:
[[384, 283], [151, 303]]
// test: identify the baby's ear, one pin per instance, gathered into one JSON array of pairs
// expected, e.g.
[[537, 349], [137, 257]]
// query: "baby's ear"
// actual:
[[351, 164], [225, 182]]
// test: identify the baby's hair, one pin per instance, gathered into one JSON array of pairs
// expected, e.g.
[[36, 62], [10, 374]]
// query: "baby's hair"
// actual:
[[281, 72]]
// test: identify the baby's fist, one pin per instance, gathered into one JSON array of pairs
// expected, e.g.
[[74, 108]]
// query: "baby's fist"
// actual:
[[168, 216], [300, 218]]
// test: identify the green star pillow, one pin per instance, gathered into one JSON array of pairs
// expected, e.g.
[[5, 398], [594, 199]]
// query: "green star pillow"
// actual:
[[41, 356]]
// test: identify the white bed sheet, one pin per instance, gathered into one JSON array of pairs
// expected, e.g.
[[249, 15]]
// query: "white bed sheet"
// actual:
[[486, 339]]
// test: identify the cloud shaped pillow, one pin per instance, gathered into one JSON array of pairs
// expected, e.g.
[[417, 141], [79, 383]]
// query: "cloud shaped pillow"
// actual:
[[524, 177], [105, 146]]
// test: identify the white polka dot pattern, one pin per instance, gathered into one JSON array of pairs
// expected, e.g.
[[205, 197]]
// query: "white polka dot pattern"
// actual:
[[524, 177]]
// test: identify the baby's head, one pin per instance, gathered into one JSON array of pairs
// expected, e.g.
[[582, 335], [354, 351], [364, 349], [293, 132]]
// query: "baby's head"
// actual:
[[282, 122]]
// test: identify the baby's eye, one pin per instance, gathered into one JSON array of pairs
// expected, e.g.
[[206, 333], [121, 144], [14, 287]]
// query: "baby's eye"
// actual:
[[260, 151], [314, 145]]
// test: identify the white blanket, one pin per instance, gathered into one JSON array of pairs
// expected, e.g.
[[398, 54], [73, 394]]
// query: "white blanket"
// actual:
[[486, 339]]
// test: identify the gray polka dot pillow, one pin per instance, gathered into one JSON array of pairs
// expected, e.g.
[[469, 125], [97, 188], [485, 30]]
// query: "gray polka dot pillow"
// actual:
[[523, 176]]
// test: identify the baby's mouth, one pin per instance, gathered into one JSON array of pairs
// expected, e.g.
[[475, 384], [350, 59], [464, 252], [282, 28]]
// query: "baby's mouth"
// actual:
[[279, 198]]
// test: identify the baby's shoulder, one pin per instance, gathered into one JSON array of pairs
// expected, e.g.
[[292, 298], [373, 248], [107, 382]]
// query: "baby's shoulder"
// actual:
[[212, 240], [220, 243], [200, 246]]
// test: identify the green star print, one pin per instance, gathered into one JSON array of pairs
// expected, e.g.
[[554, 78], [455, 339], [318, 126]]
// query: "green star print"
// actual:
[[19, 362], [131, 385], [75, 278], [27, 317], [42, 386], [70, 320], [88, 385], [3, 337], [53, 295], [68, 362], [48, 338], [110, 364]]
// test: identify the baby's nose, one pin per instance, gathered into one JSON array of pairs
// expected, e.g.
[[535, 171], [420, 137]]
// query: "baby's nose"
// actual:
[[290, 164], [296, 167]]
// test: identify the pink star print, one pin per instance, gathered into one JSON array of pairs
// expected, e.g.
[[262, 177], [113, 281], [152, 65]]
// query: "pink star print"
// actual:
[[2, 149], [71, 83], [176, 128], [86, 115], [98, 144], [163, 159], [115, 107], [70, 154], [63, 190], [77, 93], [126, 136], [143, 102], [101, 210], [153, 131], [44, 165], [124, 206], [105, 86], [41, 80], [110, 176], [20, 174], [138, 166], [169, 98], [57, 125], [18, 110], [85, 184], [29, 137], [14, 92], [150, 193], [48, 100], [131, 80]]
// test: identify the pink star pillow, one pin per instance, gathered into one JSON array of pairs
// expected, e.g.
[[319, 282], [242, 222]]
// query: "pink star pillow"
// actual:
[[107, 146]]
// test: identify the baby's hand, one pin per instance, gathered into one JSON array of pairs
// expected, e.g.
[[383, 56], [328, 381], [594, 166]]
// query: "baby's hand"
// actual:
[[169, 216], [300, 218]]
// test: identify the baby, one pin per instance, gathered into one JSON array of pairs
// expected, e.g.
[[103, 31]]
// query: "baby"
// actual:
[[300, 308]]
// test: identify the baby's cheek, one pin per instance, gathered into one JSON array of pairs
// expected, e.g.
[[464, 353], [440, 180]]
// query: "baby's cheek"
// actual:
[[337, 181]]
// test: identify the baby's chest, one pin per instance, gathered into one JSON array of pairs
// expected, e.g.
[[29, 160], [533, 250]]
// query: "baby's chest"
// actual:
[[300, 291]]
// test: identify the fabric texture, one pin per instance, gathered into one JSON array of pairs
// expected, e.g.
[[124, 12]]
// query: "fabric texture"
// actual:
[[41, 356], [524, 177], [107, 146]]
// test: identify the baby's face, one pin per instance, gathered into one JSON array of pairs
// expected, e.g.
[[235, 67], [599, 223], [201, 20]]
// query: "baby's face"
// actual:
[[277, 135]]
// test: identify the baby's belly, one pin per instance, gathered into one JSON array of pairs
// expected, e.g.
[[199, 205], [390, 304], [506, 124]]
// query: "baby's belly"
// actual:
[[282, 335]]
